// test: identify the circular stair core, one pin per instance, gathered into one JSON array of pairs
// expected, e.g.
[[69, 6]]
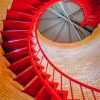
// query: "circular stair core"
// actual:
[[62, 23]]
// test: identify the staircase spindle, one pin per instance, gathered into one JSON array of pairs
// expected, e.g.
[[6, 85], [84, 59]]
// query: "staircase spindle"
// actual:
[[37, 52], [35, 44], [93, 95], [71, 88], [53, 75], [41, 59], [61, 82], [82, 92], [46, 67]]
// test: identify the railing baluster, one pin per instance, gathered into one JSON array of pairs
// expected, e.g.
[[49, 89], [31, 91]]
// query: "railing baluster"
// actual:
[[38, 52], [53, 74], [33, 37], [35, 44], [93, 95], [71, 89], [61, 81], [41, 60], [46, 67], [82, 92]]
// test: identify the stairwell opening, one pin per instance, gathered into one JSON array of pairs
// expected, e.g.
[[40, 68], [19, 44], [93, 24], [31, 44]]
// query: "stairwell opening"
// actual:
[[61, 23]]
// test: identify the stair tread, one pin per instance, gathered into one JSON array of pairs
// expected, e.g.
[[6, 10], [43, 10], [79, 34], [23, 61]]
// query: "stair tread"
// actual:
[[17, 15], [26, 8], [16, 25], [14, 44], [17, 67], [26, 76], [27, 69], [31, 82], [33, 87], [17, 54], [14, 35], [23, 72]]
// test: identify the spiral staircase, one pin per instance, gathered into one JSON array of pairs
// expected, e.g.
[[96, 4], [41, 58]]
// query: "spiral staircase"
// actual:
[[22, 47]]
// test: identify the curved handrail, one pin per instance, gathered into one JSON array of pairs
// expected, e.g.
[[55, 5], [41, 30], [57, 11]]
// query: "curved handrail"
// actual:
[[58, 70], [44, 82]]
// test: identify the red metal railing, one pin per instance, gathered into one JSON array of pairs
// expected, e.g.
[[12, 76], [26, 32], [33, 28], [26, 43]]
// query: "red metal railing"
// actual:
[[51, 69], [30, 49]]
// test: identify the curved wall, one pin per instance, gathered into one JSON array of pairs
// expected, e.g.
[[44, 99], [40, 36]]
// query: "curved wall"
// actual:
[[79, 60]]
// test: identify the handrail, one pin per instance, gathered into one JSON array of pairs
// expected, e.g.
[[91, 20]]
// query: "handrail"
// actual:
[[44, 82], [68, 77]]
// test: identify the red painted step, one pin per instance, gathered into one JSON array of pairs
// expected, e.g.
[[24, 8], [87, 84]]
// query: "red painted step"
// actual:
[[24, 7], [18, 16], [43, 95], [16, 55], [20, 65], [14, 34], [14, 45], [33, 87], [15, 25], [35, 3], [23, 63], [26, 76]]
